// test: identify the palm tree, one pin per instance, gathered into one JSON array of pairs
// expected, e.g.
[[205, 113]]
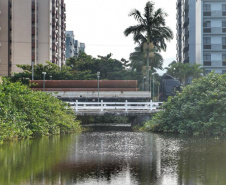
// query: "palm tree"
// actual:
[[137, 59], [151, 29]]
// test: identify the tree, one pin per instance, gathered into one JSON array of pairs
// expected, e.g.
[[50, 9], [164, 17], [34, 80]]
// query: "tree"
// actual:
[[184, 71], [150, 33], [199, 109], [150, 28]]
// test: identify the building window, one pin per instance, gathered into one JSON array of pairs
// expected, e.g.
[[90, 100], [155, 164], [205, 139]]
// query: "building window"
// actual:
[[206, 43], [207, 63], [223, 71], [224, 59], [224, 24], [207, 24], [207, 27], [207, 40], [206, 7], [224, 40], [223, 7], [207, 57], [206, 10]]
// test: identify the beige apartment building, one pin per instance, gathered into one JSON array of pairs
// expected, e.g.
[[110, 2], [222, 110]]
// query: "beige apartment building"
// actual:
[[31, 31]]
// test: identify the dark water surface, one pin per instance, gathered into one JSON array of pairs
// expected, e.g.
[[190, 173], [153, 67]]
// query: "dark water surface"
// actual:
[[116, 158]]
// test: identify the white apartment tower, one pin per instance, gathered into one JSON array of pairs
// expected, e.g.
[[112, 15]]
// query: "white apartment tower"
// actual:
[[31, 31]]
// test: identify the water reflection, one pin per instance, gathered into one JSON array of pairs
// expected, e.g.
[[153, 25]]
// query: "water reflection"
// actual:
[[115, 158]]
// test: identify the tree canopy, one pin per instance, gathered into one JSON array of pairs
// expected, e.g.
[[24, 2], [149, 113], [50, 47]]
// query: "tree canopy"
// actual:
[[183, 72], [199, 109]]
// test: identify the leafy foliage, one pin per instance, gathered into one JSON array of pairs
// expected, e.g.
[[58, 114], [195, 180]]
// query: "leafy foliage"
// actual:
[[151, 27], [199, 109], [183, 71], [26, 113], [84, 67]]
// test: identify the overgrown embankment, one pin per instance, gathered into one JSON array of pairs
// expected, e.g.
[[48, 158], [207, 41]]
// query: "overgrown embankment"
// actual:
[[199, 109], [25, 113]]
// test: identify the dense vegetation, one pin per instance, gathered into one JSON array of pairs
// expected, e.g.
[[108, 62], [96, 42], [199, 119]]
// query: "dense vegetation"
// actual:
[[199, 109], [184, 72], [25, 113]]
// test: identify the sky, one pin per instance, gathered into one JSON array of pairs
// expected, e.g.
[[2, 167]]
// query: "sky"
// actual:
[[100, 25]]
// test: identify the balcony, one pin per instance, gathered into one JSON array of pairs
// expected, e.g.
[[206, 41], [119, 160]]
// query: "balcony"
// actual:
[[214, 30], [216, 13], [214, 47]]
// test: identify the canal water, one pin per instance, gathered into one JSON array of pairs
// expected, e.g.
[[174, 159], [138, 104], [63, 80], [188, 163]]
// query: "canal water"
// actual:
[[114, 158]]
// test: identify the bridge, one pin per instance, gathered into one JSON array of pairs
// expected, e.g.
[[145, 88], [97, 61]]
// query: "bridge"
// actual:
[[125, 108]]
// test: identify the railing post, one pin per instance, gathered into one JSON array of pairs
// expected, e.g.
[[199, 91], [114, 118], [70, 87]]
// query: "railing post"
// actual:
[[126, 105], [102, 109], [151, 105], [76, 107]]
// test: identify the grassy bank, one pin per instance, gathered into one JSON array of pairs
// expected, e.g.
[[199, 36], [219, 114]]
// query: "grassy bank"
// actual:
[[25, 113]]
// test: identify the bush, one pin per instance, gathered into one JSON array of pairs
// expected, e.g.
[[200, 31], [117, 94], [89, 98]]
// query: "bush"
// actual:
[[26, 113], [199, 109]]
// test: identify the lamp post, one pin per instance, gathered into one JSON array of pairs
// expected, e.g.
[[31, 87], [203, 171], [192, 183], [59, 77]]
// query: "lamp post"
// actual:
[[98, 78], [153, 87], [44, 73], [32, 70], [143, 83], [50, 77]]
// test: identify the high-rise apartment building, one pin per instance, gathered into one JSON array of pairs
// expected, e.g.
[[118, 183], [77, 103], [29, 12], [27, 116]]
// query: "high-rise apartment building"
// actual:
[[211, 35], [31, 31], [185, 31], [201, 33], [70, 44], [79, 47], [73, 47]]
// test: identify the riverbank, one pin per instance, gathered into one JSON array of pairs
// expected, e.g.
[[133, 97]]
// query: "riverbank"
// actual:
[[25, 113]]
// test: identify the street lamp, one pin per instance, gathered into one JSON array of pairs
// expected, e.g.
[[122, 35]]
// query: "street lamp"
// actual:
[[32, 70], [98, 78], [44, 73], [50, 77], [153, 87], [143, 83]]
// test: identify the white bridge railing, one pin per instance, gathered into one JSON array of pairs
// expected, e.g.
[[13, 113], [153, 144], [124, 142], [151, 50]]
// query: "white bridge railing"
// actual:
[[123, 106]]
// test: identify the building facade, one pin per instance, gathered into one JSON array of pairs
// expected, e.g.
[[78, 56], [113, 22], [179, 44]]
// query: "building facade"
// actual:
[[201, 33], [73, 47], [70, 44], [211, 35], [186, 27], [31, 31], [79, 47]]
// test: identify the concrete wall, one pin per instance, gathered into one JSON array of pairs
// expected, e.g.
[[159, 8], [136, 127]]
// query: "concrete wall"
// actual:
[[199, 28], [21, 33], [192, 31], [4, 38], [44, 31]]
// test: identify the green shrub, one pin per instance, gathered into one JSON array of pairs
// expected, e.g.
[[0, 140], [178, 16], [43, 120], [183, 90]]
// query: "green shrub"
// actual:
[[26, 113], [199, 109]]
